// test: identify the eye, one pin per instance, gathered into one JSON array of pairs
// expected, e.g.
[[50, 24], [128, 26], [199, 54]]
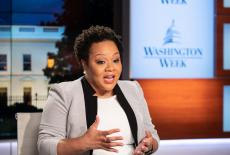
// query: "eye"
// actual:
[[100, 62], [116, 60]]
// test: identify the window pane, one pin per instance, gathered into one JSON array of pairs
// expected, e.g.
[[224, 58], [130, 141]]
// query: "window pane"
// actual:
[[226, 55], [227, 3], [26, 58], [226, 110], [26, 62], [3, 62]]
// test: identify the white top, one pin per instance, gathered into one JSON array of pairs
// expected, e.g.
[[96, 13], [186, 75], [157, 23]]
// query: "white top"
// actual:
[[111, 115]]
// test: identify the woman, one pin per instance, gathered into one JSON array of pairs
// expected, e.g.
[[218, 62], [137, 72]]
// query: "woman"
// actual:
[[97, 114]]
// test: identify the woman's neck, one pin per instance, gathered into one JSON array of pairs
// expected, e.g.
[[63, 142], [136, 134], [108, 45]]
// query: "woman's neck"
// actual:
[[104, 94], [99, 92]]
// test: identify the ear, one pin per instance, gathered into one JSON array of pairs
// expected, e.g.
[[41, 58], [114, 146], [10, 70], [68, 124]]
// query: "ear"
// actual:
[[84, 64]]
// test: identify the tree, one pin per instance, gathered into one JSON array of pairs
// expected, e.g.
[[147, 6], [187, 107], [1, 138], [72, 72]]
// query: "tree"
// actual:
[[76, 16]]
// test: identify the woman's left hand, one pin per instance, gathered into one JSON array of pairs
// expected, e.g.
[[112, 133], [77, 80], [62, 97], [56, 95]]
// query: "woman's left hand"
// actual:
[[145, 145]]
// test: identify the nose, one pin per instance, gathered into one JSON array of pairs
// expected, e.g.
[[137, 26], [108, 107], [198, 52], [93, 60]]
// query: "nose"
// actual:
[[109, 67]]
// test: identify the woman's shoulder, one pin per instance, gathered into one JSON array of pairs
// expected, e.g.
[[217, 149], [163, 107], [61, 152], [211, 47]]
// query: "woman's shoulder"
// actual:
[[68, 85], [131, 89], [128, 84]]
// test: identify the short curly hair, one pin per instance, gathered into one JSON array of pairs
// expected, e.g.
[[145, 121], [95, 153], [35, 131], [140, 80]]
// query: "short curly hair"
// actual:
[[92, 35]]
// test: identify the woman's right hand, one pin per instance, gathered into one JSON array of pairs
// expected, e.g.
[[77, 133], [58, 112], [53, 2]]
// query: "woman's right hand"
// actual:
[[98, 139]]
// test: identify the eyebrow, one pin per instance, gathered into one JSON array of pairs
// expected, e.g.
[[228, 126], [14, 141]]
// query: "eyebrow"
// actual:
[[104, 54]]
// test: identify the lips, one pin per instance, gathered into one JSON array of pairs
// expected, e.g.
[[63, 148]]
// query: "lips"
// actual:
[[109, 79]]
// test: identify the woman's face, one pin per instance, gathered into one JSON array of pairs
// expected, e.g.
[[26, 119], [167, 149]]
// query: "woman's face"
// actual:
[[104, 67]]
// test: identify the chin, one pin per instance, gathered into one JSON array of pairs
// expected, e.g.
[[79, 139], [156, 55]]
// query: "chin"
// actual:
[[109, 88]]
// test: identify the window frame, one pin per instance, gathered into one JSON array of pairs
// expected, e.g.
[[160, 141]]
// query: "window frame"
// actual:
[[221, 9], [2, 63], [220, 71], [27, 63]]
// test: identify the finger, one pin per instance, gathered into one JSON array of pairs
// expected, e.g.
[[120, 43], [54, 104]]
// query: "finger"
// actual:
[[137, 152], [105, 139], [149, 139], [96, 122], [114, 138], [144, 149], [111, 149], [109, 132], [110, 141], [146, 142], [112, 144], [148, 134]]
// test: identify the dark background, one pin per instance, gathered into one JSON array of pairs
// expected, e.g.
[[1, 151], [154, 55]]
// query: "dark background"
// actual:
[[74, 15]]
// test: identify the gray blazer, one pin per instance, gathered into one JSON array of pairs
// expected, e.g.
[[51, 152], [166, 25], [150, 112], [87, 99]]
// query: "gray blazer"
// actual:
[[64, 115]]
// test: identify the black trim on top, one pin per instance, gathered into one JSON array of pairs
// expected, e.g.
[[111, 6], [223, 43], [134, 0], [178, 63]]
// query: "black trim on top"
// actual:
[[128, 111], [90, 102]]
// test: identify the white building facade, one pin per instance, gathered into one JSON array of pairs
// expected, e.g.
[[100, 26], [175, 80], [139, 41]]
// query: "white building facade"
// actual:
[[23, 55]]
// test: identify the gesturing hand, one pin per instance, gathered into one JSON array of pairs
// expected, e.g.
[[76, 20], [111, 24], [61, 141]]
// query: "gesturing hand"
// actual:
[[98, 139], [145, 145]]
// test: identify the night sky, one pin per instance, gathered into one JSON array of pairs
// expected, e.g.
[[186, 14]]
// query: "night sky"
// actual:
[[28, 12]]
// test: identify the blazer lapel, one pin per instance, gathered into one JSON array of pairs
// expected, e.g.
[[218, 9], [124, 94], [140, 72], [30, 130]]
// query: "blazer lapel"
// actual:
[[90, 102], [129, 112]]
